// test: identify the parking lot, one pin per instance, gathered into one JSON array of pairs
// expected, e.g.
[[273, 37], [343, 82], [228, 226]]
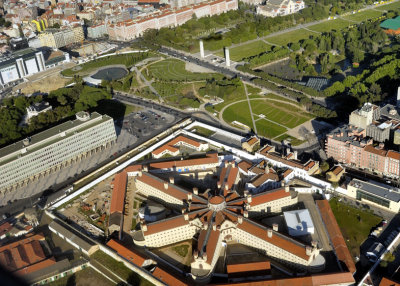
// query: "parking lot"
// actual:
[[132, 130]]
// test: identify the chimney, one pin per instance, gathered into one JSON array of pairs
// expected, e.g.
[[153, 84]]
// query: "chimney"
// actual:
[[195, 191], [282, 184], [166, 185], [205, 226], [196, 254], [218, 185], [295, 155], [145, 168], [314, 244], [140, 173], [189, 196], [186, 216], [205, 256], [183, 210], [246, 214], [286, 188], [246, 193], [226, 187], [214, 227], [275, 227], [266, 170], [308, 250], [171, 180], [144, 227], [240, 219], [249, 199], [269, 232]]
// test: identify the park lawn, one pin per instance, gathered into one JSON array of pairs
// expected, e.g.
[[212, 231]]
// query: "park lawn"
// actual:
[[86, 68], [336, 24], [291, 37], [247, 50], [363, 15], [354, 223], [268, 129], [174, 70], [285, 114], [392, 6], [238, 112], [87, 276], [293, 140]]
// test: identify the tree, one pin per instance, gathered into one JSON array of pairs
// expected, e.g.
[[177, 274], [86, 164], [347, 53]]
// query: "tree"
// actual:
[[324, 166]]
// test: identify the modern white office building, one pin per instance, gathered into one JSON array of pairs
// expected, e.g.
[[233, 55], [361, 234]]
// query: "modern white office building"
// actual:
[[55, 148]]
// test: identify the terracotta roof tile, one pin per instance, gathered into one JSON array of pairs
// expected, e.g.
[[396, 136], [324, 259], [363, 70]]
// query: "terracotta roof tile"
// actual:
[[118, 193], [129, 254], [269, 196], [168, 278], [248, 267], [342, 252]]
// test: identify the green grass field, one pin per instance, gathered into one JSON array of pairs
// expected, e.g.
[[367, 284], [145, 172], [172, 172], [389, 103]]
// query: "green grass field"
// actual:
[[330, 25], [174, 70], [284, 114], [291, 37], [354, 223], [363, 16], [245, 51], [87, 276]]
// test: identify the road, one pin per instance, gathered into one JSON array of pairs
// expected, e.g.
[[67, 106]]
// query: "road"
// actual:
[[146, 82]]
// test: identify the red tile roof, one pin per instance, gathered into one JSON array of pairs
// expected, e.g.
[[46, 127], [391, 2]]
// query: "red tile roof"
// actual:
[[344, 278], [170, 145], [129, 254], [248, 267], [342, 252], [387, 282], [393, 154], [118, 193], [372, 149], [4, 228], [37, 266], [168, 278], [269, 196], [209, 159], [277, 239]]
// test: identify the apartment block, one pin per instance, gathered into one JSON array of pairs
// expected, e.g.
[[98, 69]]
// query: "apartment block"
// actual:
[[55, 148]]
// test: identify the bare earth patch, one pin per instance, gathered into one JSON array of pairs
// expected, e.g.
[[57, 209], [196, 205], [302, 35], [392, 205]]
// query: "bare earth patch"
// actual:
[[195, 68]]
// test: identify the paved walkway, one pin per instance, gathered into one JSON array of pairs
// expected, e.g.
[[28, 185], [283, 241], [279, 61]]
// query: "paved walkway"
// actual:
[[251, 111], [146, 82]]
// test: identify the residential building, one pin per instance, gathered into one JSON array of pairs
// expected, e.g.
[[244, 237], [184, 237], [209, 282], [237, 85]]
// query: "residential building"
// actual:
[[275, 8], [252, 144], [37, 108], [58, 38], [97, 31], [335, 173], [55, 148], [375, 193], [379, 131], [349, 145], [130, 29], [364, 116]]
